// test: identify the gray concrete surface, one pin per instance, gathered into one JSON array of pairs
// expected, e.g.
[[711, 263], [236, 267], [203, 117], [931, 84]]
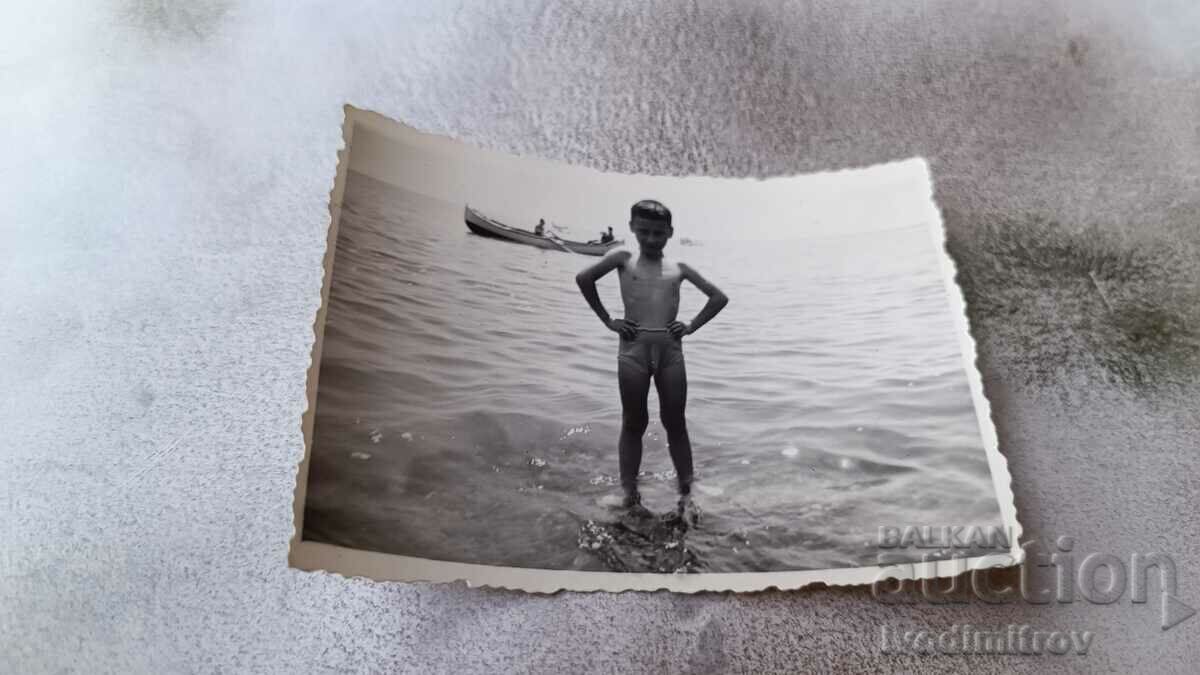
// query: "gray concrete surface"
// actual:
[[165, 176]]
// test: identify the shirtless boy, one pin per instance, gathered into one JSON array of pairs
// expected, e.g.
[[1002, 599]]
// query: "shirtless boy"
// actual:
[[651, 346]]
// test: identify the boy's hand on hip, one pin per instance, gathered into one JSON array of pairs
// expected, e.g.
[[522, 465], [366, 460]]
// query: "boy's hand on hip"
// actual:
[[624, 327], [678, 329]]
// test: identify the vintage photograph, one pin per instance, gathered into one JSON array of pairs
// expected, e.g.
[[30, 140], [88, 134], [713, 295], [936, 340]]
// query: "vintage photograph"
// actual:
[[535, 375]]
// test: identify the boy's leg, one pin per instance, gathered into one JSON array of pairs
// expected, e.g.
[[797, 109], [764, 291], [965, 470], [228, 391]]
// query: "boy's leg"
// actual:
[[635, 386], [671, 382]]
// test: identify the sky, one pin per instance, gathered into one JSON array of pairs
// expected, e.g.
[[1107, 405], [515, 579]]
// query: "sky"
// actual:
[[583, 201]]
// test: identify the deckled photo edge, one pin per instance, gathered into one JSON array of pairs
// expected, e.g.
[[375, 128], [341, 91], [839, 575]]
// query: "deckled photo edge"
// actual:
[[308, 417], [997, 462]]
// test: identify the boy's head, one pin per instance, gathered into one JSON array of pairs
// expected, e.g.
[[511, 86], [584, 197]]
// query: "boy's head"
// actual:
[[650, 223]]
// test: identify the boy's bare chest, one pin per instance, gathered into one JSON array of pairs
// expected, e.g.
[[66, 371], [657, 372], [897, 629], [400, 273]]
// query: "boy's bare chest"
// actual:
[[649, 281]]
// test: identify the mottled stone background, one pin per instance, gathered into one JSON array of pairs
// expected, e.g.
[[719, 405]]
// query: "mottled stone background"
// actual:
[[165, 173]]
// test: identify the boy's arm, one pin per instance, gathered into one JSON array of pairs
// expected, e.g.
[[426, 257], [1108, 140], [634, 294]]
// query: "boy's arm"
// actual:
[[716, 301], [586, 281]]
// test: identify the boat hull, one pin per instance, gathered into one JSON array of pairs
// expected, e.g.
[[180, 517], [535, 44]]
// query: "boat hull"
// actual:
[[487, 227]]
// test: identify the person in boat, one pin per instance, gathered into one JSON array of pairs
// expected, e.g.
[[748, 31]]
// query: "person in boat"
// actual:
[[606, 237], [651, 343], [540, 228]]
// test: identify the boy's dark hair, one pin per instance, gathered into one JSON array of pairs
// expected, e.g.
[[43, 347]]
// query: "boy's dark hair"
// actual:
[[649, 209]]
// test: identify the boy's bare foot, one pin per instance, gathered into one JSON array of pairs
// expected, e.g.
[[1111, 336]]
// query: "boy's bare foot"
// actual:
[[687, 511], [633, 504]]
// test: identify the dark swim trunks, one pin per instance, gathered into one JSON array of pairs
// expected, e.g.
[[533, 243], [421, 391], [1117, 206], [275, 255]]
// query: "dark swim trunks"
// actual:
[[651, 352]]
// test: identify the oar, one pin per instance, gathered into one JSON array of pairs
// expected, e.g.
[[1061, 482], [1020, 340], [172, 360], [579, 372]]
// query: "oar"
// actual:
[[554, 238]]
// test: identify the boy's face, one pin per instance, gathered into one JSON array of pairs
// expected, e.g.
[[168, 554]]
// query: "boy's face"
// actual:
[[652, 235]]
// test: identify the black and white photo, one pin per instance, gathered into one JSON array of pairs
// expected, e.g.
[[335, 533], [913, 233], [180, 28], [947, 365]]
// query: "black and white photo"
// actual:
[[543, 376]]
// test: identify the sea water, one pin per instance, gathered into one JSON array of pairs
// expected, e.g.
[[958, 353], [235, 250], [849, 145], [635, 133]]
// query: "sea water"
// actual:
[[468, 408]]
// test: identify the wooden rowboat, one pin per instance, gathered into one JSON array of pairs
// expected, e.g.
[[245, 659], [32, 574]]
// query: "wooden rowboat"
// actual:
[[487, 227]]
